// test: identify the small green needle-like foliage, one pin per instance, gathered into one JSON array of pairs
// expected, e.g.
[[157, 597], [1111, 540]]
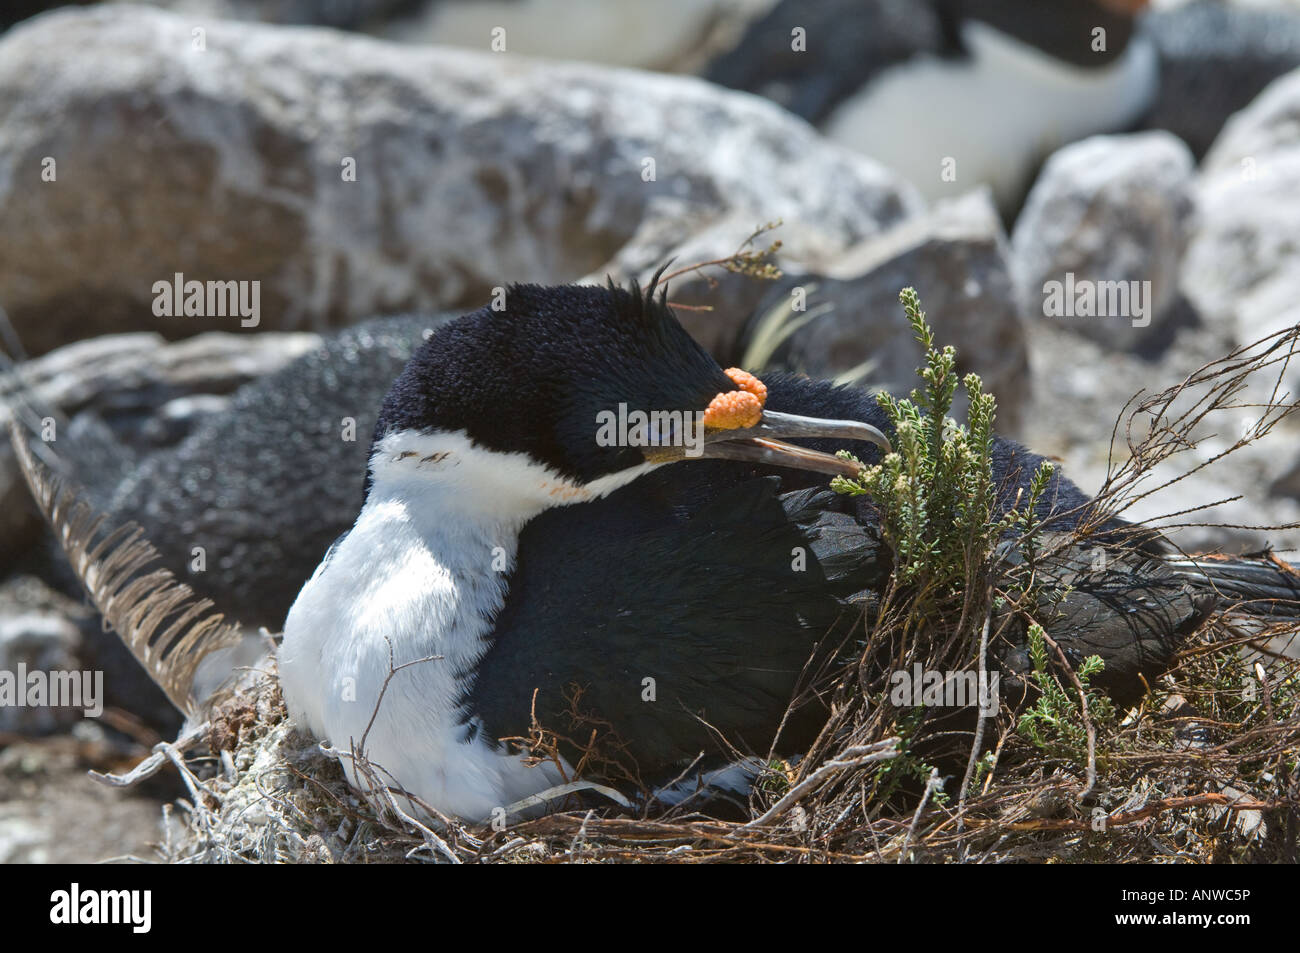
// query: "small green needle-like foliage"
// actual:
[[775, 781], [936, 489], [940, 514], [1055, 723], [1025, 520]]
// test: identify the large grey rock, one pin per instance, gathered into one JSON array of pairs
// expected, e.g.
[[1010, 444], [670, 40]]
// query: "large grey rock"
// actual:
[[119, 373], [854, 328], [1271, 124], [472, 170], [1238, 275], [1242, 268], [1107, 209]]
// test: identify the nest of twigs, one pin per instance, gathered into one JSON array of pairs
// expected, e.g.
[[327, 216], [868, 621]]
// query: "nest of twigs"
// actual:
[[1202, 771]]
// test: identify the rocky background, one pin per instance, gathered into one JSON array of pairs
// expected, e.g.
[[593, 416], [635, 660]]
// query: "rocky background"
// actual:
[[325, 149]]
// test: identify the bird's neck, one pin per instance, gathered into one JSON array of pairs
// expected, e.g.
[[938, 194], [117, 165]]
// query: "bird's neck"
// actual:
[[441, 572]]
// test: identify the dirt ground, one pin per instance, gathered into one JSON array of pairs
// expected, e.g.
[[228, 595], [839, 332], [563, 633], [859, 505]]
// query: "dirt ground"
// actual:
[[52, 811]]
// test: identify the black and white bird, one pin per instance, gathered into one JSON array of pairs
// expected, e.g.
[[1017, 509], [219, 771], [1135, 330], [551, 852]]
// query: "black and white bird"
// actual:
[[510, 553], [952, 93]]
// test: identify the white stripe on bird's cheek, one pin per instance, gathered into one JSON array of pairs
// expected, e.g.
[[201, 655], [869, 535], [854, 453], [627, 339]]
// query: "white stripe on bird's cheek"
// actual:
[[510, 486]]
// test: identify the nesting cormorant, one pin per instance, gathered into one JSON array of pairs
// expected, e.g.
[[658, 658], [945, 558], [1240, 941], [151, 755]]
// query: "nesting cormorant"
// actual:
[[951, 93], [509, 553]]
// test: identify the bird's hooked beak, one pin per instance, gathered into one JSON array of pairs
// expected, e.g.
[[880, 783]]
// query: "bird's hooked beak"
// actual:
[[761, 443], [738, 427]]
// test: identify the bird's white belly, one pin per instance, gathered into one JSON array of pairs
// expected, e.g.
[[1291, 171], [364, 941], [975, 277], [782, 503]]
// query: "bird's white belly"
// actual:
[[385, 603]]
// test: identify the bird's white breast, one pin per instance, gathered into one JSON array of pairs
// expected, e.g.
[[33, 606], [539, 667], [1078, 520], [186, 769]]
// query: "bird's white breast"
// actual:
[[422, 575]]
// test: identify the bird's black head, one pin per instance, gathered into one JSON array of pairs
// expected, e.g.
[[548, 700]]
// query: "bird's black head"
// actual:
[[560, 374], [533, 376]]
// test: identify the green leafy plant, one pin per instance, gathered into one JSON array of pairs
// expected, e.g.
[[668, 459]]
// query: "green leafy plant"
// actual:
[[940, 515], [936, 489], [983, 767], [1055, 723], [775, 780]]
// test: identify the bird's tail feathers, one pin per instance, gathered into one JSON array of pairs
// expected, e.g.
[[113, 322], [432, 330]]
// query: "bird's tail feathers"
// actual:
[[1259, 585], [169, 630]]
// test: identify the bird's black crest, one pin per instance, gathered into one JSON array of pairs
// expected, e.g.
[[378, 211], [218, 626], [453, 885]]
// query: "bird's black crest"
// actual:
[[642, 307]]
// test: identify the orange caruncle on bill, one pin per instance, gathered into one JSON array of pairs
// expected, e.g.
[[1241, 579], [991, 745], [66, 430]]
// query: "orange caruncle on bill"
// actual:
[[738, 408], [748, 382]]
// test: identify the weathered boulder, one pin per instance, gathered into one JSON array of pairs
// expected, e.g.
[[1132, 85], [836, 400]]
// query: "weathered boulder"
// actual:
[[1242, 268], [1109, 216], [352, 177]]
